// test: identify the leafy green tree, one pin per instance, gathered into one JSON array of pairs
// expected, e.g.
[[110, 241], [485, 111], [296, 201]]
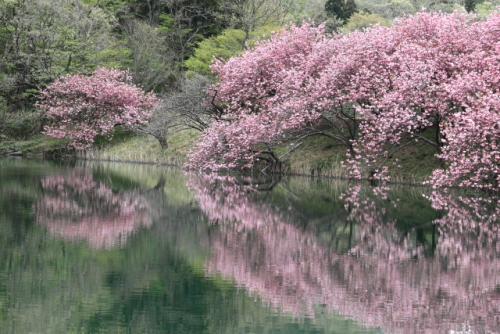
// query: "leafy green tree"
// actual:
[[314, 11], [120, 8], [397, 8], [469, 5], [44, 39], [152, 59], [484, 8], [350, 8], [335, 8], [342, 9], [304, 10], [228, 44], [392, 9], [224, 46], [250, 15]]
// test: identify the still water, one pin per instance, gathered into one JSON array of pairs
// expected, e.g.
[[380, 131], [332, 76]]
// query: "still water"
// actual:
[[121, 248]]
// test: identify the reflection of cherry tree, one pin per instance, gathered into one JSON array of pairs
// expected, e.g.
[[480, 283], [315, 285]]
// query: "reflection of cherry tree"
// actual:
[[377, 237], [75, 206], [384, 280], [469, 231]]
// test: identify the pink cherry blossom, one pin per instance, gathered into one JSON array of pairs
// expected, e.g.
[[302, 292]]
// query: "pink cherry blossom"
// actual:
[[79, 107]]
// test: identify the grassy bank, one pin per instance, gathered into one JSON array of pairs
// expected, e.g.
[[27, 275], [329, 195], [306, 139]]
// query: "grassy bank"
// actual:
[[321, 156], [38, 145], [317, 156], [144, 149]]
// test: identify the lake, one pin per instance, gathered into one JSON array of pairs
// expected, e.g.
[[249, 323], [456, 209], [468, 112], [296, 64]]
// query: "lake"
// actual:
[[101, 247]]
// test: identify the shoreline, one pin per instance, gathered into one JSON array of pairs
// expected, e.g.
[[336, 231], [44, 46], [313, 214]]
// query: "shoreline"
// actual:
[[316, 158], [317, 175]]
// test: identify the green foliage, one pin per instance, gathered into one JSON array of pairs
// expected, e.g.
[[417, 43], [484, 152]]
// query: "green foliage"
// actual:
[[469, 5], [224, 46], [305, 10], [484, 7], [20, 125], [3, 109], [166, 22], [390, 9], [45, 39], [117, 55], [363, 20], [350, 8], [342, 9], [120, 8], [397, 8], [334, 7], [153, 60], [4, 36], [120, 135]]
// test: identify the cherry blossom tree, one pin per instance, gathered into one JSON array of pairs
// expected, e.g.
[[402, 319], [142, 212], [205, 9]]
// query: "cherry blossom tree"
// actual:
[[439, 67], [260, 93], [79, 107], [431, 77], [472, 134]]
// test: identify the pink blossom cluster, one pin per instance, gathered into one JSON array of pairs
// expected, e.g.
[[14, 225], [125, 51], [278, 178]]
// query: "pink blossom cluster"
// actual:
[[80, 107], [384, 280], [432, 77]]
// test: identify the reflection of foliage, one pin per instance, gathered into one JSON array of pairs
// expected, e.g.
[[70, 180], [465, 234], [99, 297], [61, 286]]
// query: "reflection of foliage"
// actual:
[[387, 278], [77, 207], [154, 284]]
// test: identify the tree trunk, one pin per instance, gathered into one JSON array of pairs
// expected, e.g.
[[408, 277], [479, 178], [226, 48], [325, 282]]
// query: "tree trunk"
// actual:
[[163, 141], [276, 168]]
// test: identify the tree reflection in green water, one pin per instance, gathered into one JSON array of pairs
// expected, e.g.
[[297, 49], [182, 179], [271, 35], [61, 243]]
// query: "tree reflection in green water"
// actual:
[[58, 275], [438, 274]]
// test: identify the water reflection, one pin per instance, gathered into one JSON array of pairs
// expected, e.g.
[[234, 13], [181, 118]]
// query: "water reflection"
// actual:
[[206, 260], [153, 283], [443, 276], [77, 207]]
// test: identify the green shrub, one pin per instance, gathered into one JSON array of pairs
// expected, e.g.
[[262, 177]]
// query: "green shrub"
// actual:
[[19, 125]]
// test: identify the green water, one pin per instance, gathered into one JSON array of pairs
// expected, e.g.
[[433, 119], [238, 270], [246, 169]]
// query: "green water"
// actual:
[[121, 248]]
